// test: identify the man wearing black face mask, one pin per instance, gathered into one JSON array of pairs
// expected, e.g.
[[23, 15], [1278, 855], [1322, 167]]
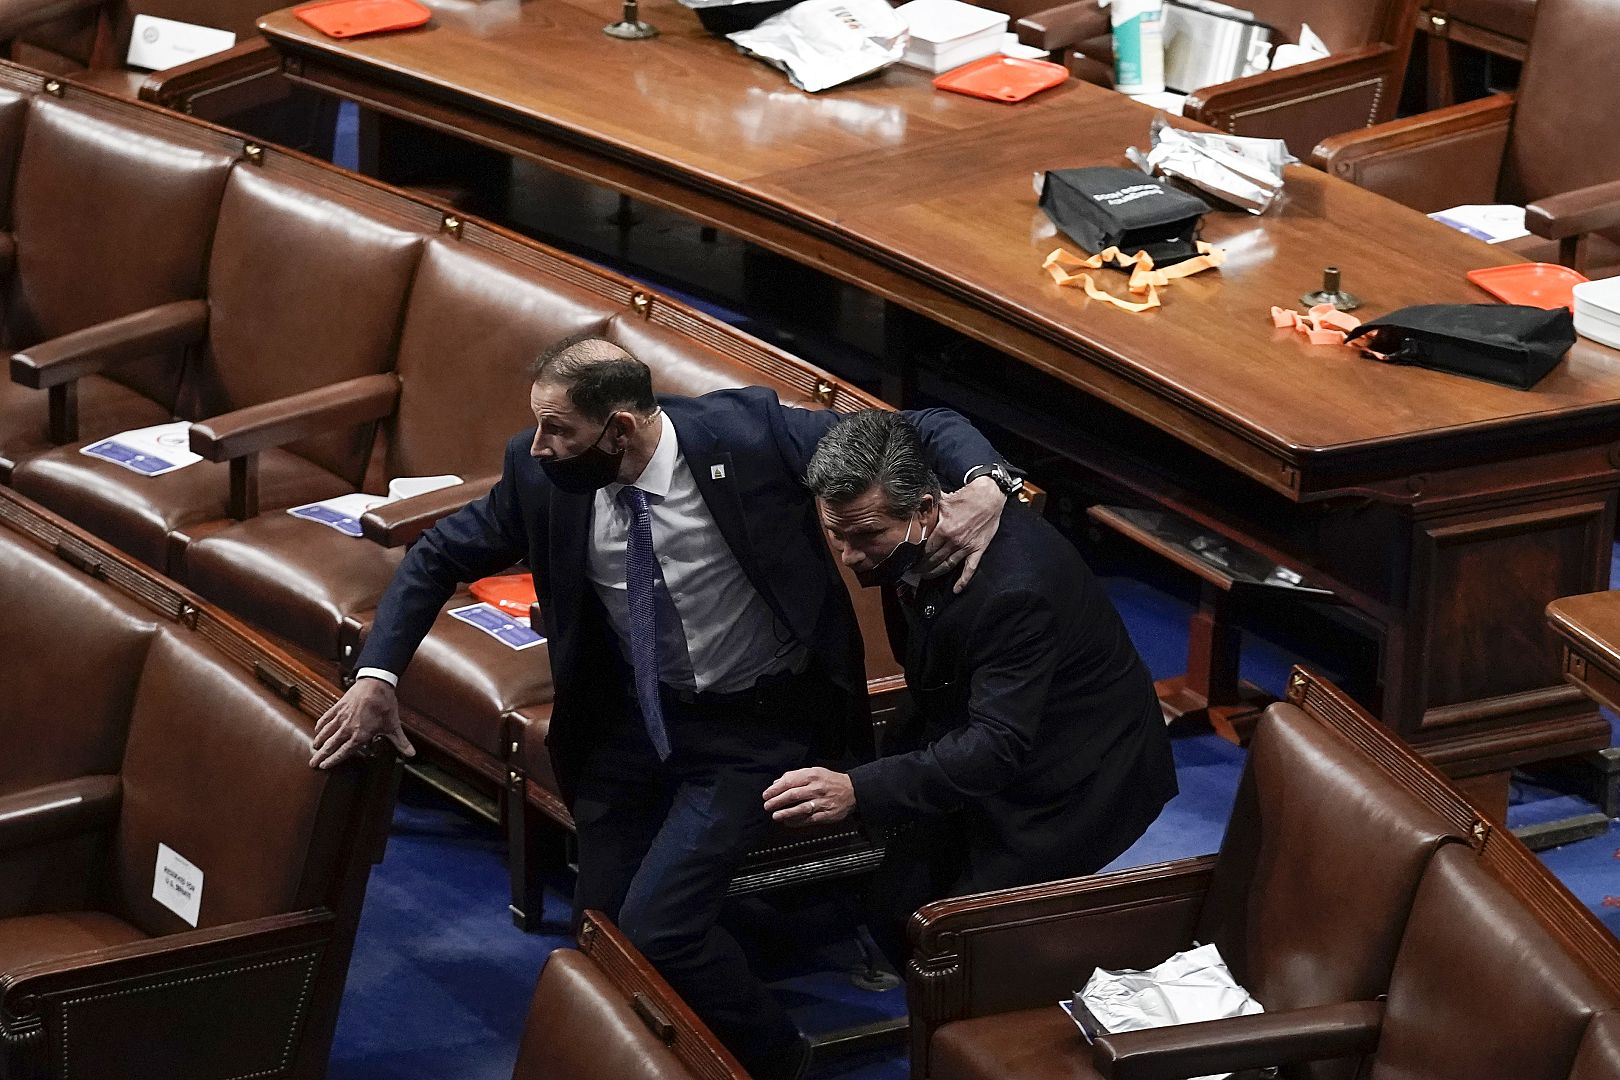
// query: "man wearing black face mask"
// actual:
[[702, 641], [1037, 749]]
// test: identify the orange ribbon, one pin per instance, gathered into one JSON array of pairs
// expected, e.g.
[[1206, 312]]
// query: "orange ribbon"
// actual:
[[1146, 280]]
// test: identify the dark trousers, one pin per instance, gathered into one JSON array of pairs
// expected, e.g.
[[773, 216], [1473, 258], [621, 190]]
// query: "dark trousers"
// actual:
[[660, 841]]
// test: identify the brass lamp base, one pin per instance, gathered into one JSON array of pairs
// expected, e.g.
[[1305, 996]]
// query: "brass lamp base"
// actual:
[[631, 30]]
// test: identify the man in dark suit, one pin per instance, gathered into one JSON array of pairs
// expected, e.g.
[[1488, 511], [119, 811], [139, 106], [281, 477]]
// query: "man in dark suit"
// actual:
[[1037, 749], [702, 642]]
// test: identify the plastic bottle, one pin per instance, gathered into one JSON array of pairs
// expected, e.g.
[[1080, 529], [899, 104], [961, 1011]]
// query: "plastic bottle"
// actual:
[[1138, 46]]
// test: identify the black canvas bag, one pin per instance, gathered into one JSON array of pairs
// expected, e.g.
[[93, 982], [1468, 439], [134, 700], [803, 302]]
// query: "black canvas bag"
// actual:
[[1102, 207], [1503, 343]]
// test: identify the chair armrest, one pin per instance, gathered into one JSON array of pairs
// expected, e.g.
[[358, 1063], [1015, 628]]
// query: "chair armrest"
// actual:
[[253, 978], [1021, 948], [96, 348], [19, 15], [1308, 102], [1455, 152], [1241, 1042], [52, 811], [399, 523], [1059, 27], [171, 87], [297, 416], [1574, 213]]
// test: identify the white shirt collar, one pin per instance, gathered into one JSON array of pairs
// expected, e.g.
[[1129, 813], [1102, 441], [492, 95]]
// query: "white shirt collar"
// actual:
[[659, 472]]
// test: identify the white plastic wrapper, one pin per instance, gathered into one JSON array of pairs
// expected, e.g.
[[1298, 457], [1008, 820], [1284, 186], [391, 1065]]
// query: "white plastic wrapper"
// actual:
[[823, 43], [1244, 172], [1189, 987]]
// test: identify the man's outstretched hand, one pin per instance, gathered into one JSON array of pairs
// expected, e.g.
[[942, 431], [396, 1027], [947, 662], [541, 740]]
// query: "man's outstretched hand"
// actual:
[[810, 795], [366, 710], [968, 520]]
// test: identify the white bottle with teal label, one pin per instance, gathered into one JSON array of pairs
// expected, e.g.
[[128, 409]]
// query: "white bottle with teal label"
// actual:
[[1138, 46]]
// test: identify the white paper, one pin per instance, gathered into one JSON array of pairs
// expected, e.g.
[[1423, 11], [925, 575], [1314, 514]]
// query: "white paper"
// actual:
[[344, 511], [513, 631], [824, 43], [1188, 988], [1492, 224], [409, 487], [150, 451], [1011, 46], [1310, 47], [1165, 101], [156, 44], [177, 884]]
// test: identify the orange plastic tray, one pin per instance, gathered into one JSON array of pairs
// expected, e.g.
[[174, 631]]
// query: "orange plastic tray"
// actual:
[[1003, 78], [512, 593], [351, 18], [1543, 285]]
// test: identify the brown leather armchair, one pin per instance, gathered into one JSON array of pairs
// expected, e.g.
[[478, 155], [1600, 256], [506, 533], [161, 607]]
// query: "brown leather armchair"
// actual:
[[110, 288], [1359, 84], [194, 735], [1307, 900], [1545, 146], [87, 40], [291, 358], [600, 1012]]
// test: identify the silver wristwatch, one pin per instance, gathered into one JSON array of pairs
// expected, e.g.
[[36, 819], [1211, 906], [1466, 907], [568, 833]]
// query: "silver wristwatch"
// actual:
[[1005, 480]]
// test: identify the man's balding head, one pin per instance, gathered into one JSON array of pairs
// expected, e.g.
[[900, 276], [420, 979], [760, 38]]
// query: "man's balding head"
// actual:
[[600, 377]]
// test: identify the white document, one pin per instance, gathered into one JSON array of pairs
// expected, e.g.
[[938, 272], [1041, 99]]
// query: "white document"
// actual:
[[1310, 48], [150, 451], [177, 884], [1492, 224], [343, 512], [1189, 987], [156, 44]]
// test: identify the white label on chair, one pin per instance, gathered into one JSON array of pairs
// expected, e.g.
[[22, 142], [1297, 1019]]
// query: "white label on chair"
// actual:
[[177, 884], [156, 44]]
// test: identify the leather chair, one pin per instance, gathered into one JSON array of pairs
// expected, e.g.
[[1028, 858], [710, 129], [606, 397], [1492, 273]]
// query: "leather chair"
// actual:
[[1357, 85], [1489, 984], [188, 732], [1306, 900], [291, 362], [1545, 146], [87, 41], [86, 271], [600, 1012]]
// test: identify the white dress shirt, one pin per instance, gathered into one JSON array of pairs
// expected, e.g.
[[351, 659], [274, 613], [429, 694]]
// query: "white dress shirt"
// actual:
[[731, 638], [706, 602]]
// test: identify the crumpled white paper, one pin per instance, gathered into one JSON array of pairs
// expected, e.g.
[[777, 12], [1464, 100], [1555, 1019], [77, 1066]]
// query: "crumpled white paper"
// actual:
[[1189, 987], [1243, 171], [822, 43]]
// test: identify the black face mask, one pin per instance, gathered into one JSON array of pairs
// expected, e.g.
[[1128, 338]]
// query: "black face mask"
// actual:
[[589, 470], [895, 564]]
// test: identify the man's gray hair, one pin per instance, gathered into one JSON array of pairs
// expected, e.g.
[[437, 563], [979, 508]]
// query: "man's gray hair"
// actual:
[[872, 448]]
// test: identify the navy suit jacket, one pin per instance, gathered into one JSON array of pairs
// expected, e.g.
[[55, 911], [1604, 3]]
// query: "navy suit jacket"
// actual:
[[759, 503], [1035, 723]]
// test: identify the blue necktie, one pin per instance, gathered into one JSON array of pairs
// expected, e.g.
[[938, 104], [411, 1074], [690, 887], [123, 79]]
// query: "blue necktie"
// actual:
[[641, 582]]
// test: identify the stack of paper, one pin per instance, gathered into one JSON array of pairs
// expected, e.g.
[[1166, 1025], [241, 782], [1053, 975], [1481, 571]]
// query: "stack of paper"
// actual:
[[946, 34], [1492, 224]]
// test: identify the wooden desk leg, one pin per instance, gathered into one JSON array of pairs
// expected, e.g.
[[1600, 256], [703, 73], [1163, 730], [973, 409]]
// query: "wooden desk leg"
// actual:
[[1211, 690]]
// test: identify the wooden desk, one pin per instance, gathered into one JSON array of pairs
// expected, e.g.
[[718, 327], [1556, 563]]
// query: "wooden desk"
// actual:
[[1446, 511], [1588, 631]]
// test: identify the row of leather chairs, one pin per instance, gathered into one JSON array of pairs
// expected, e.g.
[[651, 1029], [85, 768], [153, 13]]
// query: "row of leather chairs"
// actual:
[[1388, 928], [1542, 147], [324, 334], [151, 745]]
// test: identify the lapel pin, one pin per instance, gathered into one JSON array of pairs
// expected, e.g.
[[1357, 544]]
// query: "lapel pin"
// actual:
[[717, 472]]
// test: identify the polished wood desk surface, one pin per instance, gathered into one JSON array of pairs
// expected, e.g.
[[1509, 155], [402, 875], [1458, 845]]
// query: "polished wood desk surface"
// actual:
[[937, 187]]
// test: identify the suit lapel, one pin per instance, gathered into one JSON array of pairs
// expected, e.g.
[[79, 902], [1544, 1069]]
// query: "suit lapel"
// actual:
[[570, 523], [716, 477]]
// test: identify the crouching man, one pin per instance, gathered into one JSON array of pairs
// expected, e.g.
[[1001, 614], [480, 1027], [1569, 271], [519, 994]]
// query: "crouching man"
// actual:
[[1036, 750]]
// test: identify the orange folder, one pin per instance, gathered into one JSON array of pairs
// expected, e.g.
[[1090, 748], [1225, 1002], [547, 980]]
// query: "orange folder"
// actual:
[[350, 18]]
